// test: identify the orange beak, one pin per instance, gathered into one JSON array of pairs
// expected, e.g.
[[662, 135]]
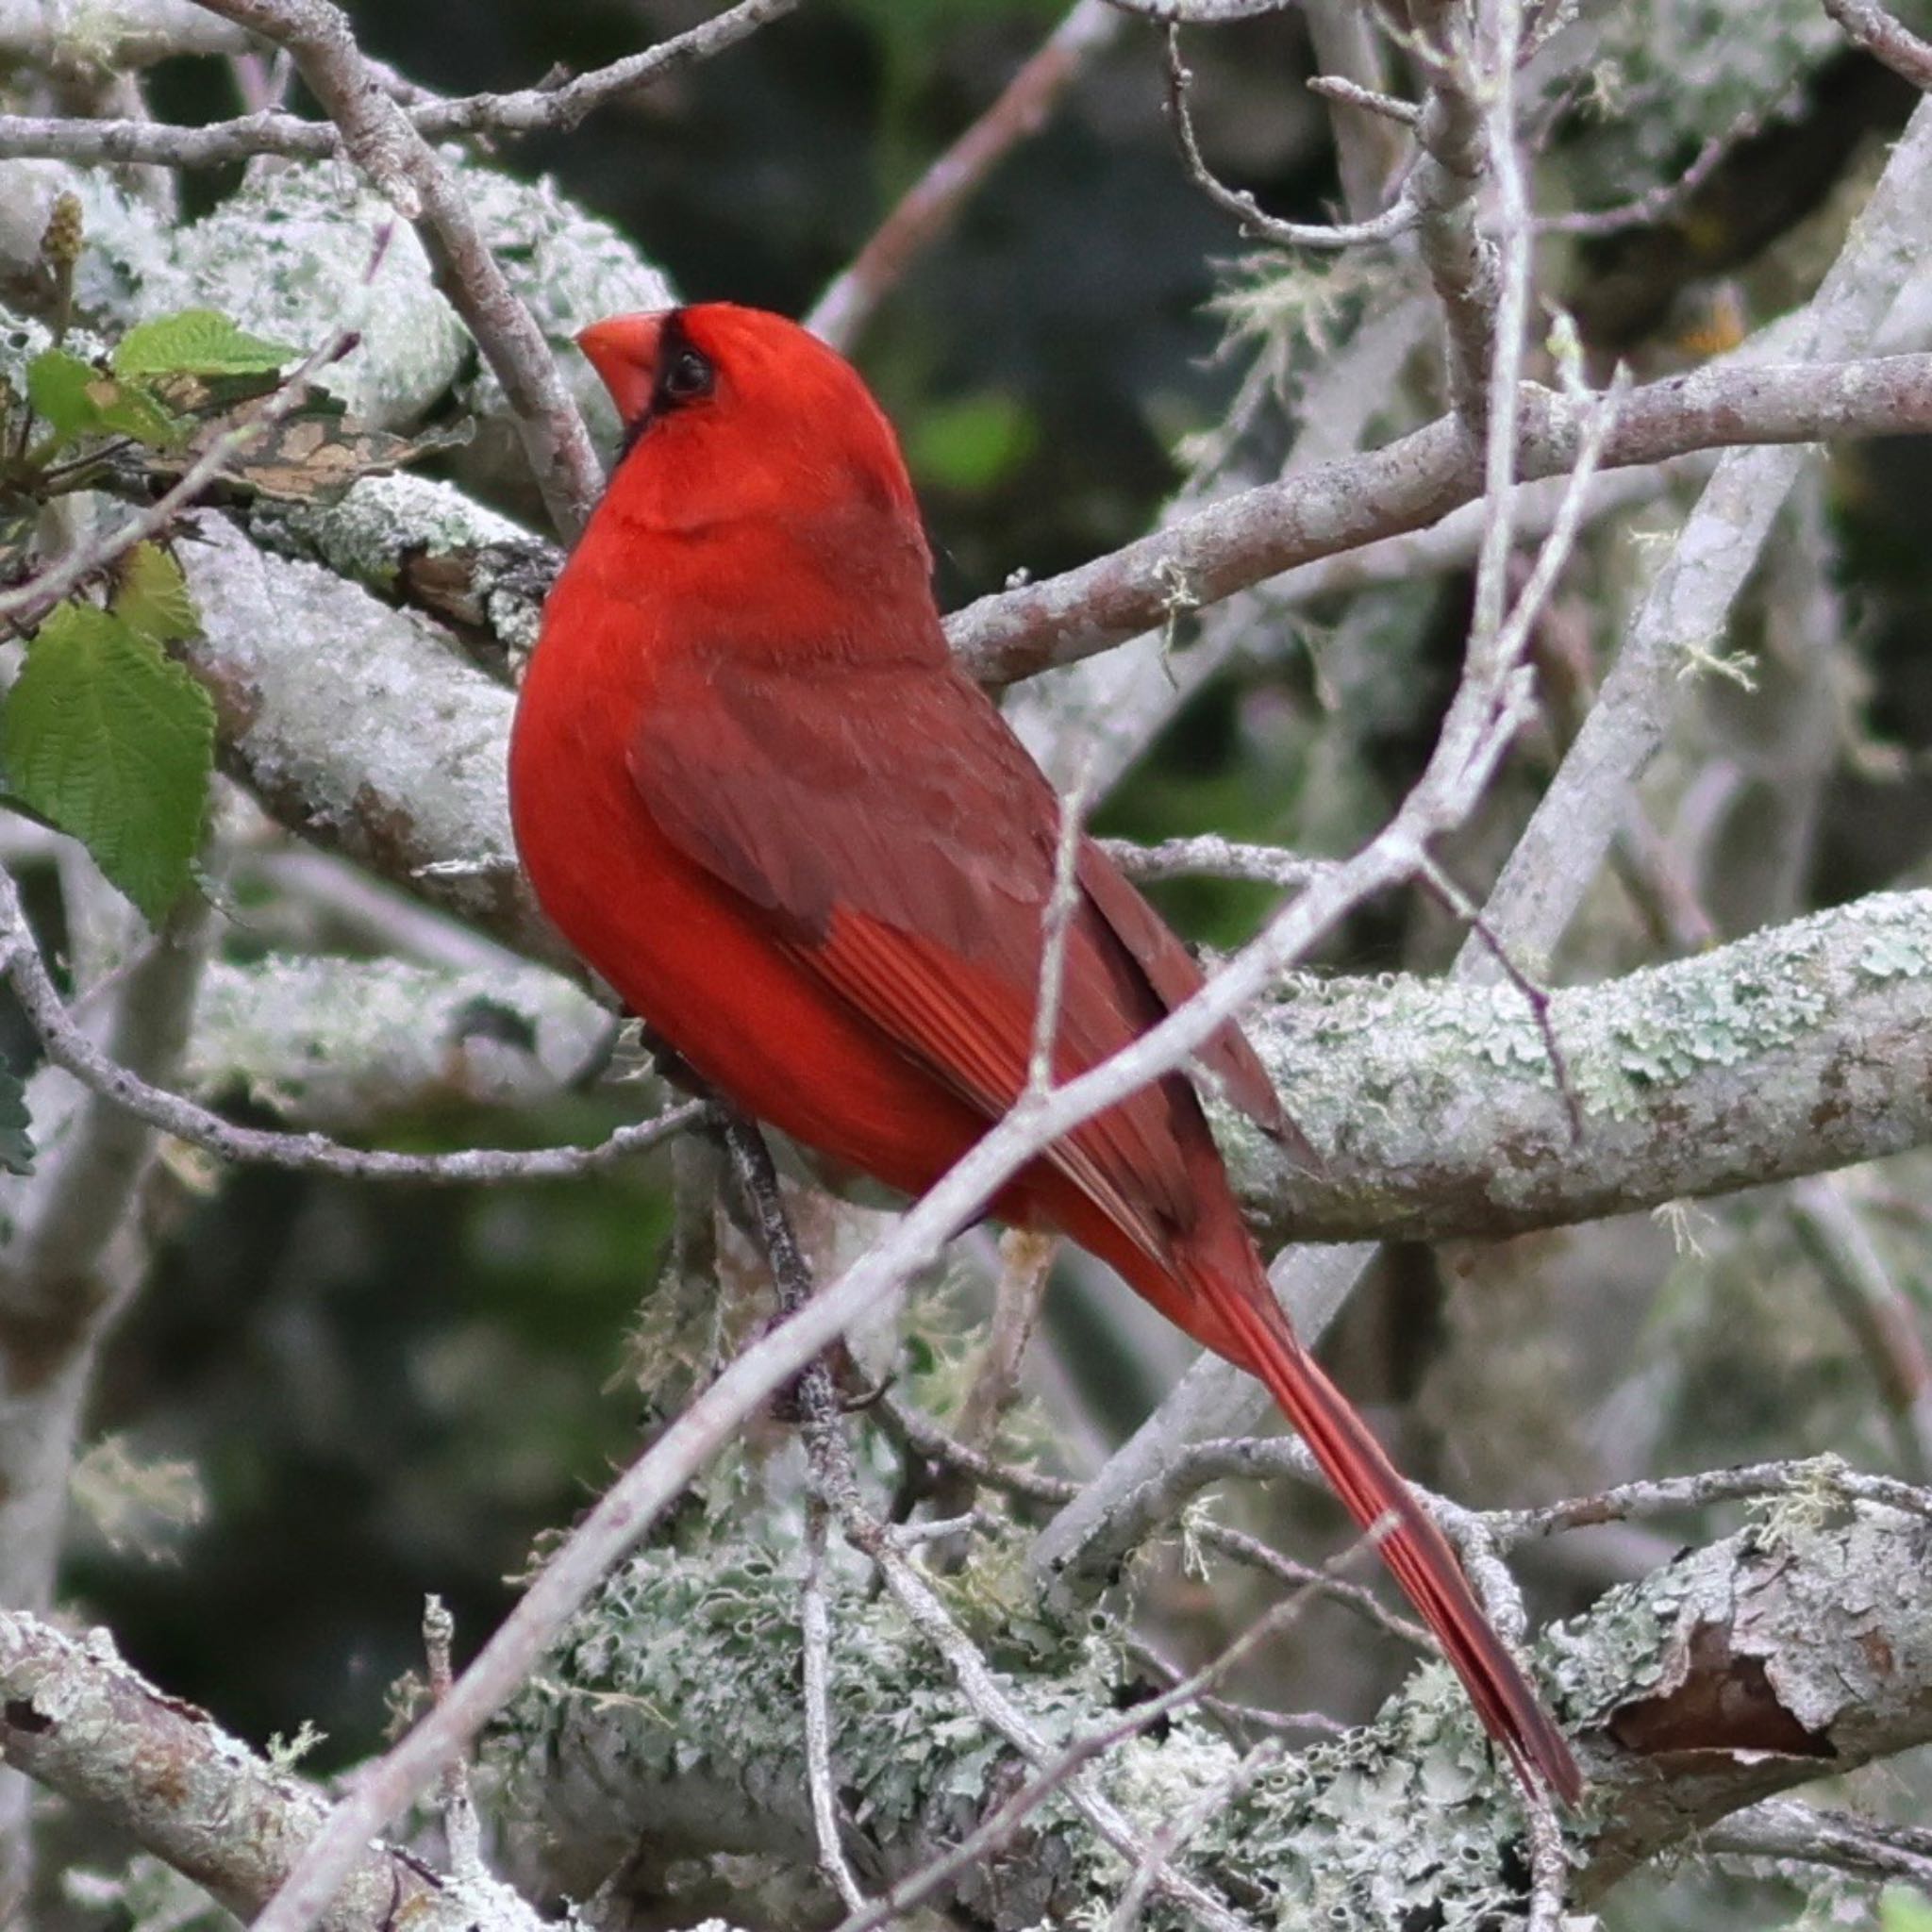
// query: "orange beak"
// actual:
[[623, 349]]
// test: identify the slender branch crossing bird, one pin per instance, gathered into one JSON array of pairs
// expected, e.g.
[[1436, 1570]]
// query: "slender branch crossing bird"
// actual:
[[753, 790]]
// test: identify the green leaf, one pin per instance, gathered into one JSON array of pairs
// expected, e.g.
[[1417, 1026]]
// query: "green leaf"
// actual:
[[76, 399], [197, 342], [115, 744], [57, 386], [16, 1143], [151, 596]]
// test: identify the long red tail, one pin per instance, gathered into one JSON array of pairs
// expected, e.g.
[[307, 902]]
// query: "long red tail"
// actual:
[[1414, 1549]]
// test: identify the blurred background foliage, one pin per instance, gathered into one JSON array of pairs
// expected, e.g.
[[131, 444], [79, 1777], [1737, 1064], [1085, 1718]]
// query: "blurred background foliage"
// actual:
[[333, 1400]]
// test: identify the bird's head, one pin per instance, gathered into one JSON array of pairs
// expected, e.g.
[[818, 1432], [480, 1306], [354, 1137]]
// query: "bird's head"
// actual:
[[734, 416]]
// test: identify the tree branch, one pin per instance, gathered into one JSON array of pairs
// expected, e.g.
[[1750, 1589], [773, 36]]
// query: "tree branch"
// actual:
[[929, 205], [1342, 505], [79, 1720], [1800, 1646], [1437, 1114], [221, 144]]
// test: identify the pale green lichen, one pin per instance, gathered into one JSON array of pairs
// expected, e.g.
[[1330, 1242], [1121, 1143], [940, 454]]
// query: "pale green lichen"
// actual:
[[385, 522], [1410, 1051], [331, 1039]]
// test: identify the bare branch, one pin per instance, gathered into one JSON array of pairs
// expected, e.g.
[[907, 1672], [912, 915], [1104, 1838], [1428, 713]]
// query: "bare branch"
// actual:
[[1413, 482], [67, 1046], [928, 207], [1332, 87], [1397, 220], [1785, 1829], [525, 111], [1886, 39], [1207, 855], [817, 1645], [1200, 12]]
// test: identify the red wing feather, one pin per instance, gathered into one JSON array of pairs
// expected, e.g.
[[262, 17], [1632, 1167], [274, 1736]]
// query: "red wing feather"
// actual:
[[900, 842]]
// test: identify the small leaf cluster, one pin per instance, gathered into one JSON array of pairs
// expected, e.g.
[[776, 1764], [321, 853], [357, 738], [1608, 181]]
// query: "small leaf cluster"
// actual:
[[105, 737], [152, 393], [102, 734]]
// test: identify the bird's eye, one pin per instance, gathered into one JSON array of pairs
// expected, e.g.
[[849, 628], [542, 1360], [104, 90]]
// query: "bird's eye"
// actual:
[[687, 375]]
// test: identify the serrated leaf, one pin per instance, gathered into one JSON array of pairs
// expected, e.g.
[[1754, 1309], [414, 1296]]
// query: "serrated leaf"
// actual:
[[127, 409], [16, 1143], [56, 384], [115, 744], [76, 399], [196, 342], [151, 596]]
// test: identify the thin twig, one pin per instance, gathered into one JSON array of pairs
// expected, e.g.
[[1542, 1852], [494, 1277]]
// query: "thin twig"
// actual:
[[1208, 855], [816, 1637], [409, 173], [1549, 1862], [1195, 1819], [463, 1833], [1501, 22], [1784, 1829], [930, 206], [1057, 929], [1239, 1547], [918, 1432], [1397, 219], [1886, 39], [1200, 12], [527, 110], [69, 1047], [1536, 996], [1825, 1474], [1333, 87], [1657, 204]]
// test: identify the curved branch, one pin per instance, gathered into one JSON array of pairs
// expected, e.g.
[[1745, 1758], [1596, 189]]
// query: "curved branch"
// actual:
[[409, 174]]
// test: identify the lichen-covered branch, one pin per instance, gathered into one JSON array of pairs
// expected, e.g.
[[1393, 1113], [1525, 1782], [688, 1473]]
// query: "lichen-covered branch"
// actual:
[[79, 1720], [337, 1044], [1437, 1114], [387, 746], [668, 1725]]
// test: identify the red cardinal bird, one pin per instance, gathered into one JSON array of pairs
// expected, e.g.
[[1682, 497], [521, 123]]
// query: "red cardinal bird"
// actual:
[[753, 791]]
